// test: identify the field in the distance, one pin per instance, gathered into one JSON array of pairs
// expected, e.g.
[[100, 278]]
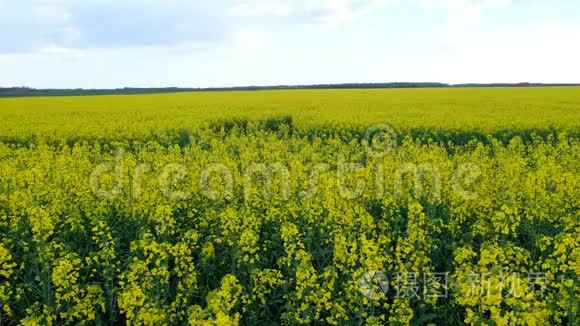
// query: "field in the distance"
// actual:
[[396, 206], [463, 109]]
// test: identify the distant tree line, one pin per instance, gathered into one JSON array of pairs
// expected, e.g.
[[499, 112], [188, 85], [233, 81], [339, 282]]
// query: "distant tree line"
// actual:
[[27, 91]]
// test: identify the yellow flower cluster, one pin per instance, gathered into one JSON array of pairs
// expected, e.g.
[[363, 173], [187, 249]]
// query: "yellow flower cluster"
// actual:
[[6, 271]]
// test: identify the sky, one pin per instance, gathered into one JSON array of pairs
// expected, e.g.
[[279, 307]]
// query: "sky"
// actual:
[[184, 43]]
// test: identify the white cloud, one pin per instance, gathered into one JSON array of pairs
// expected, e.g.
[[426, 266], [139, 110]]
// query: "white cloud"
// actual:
[[31, 25], [39, 24], [464, 12], [251, 37], [248, 8], [538, 53], [467, 4], [53, 49], [325, 12]]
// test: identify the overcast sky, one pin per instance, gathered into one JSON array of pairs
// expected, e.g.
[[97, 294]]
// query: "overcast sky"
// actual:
[[150, 43]]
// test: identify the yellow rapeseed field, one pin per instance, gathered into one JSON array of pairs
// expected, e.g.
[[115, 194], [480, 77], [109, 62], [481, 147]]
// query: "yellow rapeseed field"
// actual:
[[398, 206]]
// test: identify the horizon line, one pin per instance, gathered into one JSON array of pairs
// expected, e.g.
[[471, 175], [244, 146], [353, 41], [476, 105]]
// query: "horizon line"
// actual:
[[24, 91]]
